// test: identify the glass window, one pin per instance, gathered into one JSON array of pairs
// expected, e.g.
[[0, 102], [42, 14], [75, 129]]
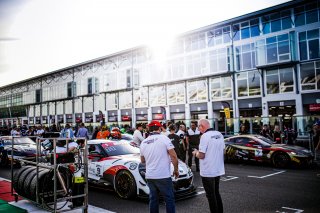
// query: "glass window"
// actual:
[[275, 25], [112, 101], [89, 85], [157, 95], [125, 100], [176, 93], [309, 75], [219, 60], [141, 97], [311, 16], [38, 95], [236, 33], [221, 88], [279, 81], [309, 44], [248, 83], [197, 91]]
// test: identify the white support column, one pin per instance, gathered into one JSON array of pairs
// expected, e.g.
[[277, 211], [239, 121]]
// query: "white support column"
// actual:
[[188, 114], [133, 118], [119, 116], [167, 113], [265, 111], [149, 114], [210, 114]]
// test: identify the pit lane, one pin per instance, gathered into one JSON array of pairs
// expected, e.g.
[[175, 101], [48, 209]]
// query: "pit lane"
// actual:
[[289, 190]]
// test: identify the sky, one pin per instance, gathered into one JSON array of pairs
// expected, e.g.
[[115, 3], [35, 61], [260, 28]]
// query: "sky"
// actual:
[[41, 36]]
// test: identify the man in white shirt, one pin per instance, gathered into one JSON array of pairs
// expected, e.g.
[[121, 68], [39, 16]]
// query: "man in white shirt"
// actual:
[[137, 135], [157, 152], [211, 155]]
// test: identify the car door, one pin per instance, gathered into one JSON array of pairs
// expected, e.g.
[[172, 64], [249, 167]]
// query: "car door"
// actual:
[[95, 165], [243, 149]]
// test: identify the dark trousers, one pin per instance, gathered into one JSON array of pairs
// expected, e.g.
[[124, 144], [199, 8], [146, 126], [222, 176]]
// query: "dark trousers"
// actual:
[[211, 186], [196, 160], [182, 153]]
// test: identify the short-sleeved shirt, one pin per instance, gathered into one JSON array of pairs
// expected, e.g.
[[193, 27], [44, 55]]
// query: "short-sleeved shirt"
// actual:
[[155, 151], [194, 138], [175, 140], [212, 144]]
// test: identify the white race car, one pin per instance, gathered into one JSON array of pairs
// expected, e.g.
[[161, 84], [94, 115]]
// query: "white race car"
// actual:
[[118, 164]]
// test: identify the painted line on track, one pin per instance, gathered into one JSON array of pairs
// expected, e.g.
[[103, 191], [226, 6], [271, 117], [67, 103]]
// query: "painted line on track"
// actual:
[[261, 177], [200, 193], [227, 178], [292, 209]]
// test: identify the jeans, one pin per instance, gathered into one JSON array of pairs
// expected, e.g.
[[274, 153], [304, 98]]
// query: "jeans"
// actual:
[[165, 187], [211, 186]]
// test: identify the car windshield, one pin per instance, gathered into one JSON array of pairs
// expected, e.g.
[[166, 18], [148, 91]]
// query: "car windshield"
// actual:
[[264, 139], [17, 141], [120, 149], [126, 137]]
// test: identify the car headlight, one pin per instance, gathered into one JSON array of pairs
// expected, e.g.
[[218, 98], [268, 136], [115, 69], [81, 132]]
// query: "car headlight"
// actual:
[[190, 172]]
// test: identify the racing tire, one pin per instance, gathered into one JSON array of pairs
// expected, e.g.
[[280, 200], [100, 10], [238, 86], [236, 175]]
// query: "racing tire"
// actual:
[[281, 160], [27, 182], [22, 178], [33, 184], [16, 177], [125, 185]]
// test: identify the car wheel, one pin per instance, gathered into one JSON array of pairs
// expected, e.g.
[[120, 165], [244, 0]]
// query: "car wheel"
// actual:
[[22, 178], [125, 185], [280, 160], [16, 177]]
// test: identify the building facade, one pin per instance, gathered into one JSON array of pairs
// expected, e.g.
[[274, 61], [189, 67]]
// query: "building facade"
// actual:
[[263, 66]]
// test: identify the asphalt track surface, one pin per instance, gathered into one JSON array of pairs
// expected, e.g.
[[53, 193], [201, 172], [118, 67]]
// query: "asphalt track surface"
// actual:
[[244, 188]]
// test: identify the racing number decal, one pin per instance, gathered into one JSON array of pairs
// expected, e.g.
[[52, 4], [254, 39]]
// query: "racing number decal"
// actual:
[[98, 170], [258, 153]]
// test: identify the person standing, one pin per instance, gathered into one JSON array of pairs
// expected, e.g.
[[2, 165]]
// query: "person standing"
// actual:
[[82, 133], [157, 152], [137, 135], [182, 146], [211, 155], [192, 141], [175, 139]]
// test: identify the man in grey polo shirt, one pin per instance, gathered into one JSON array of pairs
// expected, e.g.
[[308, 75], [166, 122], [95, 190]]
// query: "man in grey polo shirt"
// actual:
[[211, 155]]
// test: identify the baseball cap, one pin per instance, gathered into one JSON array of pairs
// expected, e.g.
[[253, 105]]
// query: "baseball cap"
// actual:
[[155, 123], [317, 123]]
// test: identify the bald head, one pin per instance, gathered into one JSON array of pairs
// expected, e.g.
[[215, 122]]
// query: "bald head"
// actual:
[[203, 125]]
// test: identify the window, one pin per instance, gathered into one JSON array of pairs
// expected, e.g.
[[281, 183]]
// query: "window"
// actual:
[[96, 85], [219, 36], [71, 89], [279, 81], [195, 42], [90, 85], [273, 49], [38, 95], [247, 29], [219, 60], [141, 97], [306, 14], [248, 84], [309, 44], [176, 93], [176, 68], [157, 95], [112, 101], [197, 91], [196, 64], [310, 76], [16, 99], [276, 22], [221, 88], [125, 100], [245, 57]]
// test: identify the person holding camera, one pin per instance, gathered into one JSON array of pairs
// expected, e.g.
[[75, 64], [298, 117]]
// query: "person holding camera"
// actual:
[[211, 155], [157, 152]]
